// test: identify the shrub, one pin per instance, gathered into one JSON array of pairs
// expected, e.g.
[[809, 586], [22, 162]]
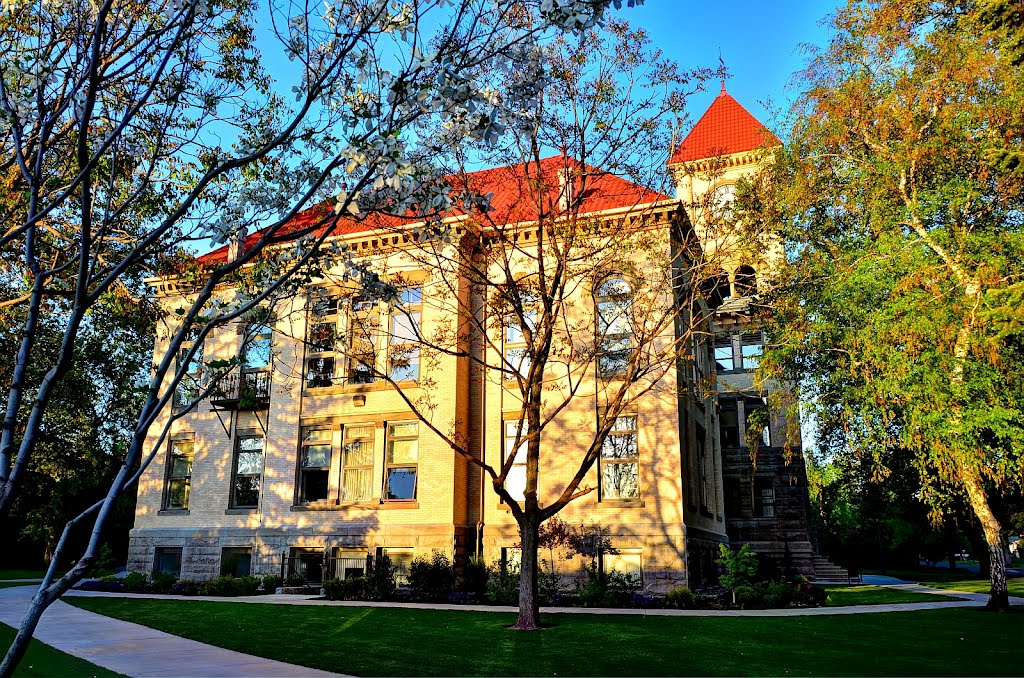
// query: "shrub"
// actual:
[[185, 587], [248, 585], [270, 583], [740, 566], [162, 582], [135, 582], [549, 585], [353, 588], [776, 594], [747, 597], [679, 599], [473, 581], [433, 580], [806, 594], [380, 579], [503, 585], [612, 589], [225, 585], [294, 579]]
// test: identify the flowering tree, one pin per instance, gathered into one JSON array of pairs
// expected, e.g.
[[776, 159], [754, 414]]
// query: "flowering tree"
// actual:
[[133, 129]]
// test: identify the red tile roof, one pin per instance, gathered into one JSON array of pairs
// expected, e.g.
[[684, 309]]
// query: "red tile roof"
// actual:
[[725, 128], [514, 200]]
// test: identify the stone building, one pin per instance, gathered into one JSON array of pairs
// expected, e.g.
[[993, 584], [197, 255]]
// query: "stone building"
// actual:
[[303, 462]]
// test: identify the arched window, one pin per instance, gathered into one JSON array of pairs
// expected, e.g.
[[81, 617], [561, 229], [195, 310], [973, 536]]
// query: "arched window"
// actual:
[[614, 301], [745, 281], [715, 289]]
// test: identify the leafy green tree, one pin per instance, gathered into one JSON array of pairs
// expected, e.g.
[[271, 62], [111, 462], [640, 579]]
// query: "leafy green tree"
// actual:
[[904, 236]]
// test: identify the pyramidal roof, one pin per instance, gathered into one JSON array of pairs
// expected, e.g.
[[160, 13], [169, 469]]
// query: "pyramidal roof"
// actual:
[[725, 128]]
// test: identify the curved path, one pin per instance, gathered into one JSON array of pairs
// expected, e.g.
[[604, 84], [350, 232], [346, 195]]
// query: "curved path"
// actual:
[[133, 649]]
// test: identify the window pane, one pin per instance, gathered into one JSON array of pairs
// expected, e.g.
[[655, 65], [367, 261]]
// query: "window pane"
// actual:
[[177, 493], [405, 327], [620, 480], [322, 337], [751, 355], [314, 486], [614, 317], [519, 360], [613, 287], [316, 455], [615, 355], [723, 358], [401, 483], [357, 483], [256, 352], [249, 463], [311, 434], [619, 446], [236, 561], [624, 562], [181, 467], [402, 451], [168, 560], [250, 444], [411, 296], [410, 430], [626, 423], [324, 306], [515, 481], [247, 491], [405, 363], [358, 453]]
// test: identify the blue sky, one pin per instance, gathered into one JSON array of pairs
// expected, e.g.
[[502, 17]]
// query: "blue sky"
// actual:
[[759, 42]]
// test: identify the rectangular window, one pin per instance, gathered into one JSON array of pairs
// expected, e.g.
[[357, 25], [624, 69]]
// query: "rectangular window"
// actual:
[[248, 472], [168, 561], [517, 355], [236, 561], [357, 473], [515, 481], [191, 381], [620, 461], [756, 420], [704, 469], [179, 474], [362, 340], [401, 560], [347, 563], [321, 342], [402, 452], [404, 352], [752, 348], [256, 349], [764, 497], [315, 464], [624, 561], [723, 356], [614, 304], [728, 422]]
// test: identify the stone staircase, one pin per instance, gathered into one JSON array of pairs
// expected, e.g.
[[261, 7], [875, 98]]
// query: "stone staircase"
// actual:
[[826, 570]]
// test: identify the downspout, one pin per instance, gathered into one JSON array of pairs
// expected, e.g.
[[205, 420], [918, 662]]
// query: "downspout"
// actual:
[[483, 429]]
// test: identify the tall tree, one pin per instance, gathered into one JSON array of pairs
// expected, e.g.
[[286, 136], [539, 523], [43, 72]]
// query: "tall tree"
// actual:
[[905, 228], [598, 308], [134, 128]]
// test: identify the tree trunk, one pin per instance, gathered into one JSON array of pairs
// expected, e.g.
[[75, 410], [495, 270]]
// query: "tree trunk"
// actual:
[[529, 605], [998, 598]]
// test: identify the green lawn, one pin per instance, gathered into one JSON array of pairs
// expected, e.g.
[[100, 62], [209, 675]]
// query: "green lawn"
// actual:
[[21, 574], [379, 641], [43, 660], [841, 596], [958, 579]]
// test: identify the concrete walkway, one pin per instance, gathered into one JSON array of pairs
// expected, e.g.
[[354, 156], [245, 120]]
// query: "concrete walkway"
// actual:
[[136, 650]]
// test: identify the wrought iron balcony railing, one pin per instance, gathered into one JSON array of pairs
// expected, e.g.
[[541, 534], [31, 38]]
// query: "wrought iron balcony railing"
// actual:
[[242, 391]]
